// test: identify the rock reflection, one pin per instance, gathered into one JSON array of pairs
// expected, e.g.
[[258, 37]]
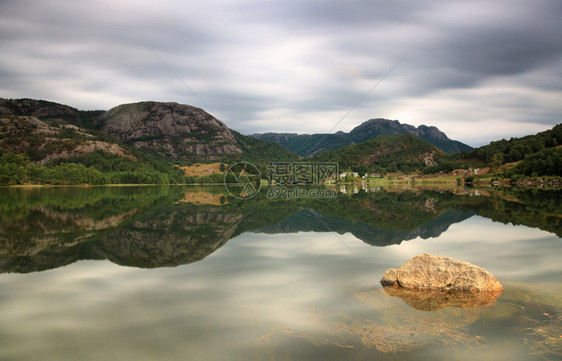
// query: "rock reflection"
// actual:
[[433, 300], [389, 328]]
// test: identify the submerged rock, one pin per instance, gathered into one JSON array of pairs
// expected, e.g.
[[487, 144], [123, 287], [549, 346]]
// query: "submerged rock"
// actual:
[[430, 272]]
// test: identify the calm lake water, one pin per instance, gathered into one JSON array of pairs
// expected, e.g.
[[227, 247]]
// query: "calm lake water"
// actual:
[[188, 273]]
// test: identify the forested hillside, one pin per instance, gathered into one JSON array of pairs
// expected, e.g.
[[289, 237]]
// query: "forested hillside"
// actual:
[[384, 154], [532, 155]]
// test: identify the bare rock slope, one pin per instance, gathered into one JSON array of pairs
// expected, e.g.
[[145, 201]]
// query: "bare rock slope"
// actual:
[[169, 130]]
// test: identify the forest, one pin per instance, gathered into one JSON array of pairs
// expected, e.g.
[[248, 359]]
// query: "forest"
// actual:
[[96, 168], [532, 156]]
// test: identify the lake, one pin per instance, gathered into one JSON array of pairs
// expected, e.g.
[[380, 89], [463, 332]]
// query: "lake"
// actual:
[[192, 273]]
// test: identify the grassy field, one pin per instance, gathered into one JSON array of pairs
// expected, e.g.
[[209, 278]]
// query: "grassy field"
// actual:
[[201, 169]]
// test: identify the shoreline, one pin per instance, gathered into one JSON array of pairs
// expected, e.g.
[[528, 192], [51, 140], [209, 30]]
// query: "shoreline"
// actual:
[[383, 182]]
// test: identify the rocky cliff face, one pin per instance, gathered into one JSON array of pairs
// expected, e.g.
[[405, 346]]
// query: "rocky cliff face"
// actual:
[[169, 130]]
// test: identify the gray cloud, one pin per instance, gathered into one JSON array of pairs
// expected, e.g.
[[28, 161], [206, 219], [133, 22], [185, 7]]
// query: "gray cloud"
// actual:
[[297, 66]]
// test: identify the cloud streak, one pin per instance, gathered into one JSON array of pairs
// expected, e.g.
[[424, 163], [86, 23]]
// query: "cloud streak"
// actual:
[[479, 70]]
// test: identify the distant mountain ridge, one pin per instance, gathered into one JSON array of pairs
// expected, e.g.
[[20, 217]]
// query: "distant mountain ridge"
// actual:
[[312, 144]]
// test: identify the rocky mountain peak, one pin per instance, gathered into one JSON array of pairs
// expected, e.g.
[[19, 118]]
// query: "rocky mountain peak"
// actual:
[[381, 126], [432, 132], [169, 130]]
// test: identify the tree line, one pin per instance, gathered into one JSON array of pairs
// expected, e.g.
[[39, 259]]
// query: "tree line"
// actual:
[[97, 167]]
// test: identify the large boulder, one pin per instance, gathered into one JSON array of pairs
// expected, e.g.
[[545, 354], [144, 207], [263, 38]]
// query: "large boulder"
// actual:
[[430, 272]]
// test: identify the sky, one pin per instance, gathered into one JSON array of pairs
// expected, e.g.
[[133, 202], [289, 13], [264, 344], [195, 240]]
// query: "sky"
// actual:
[[477, 70]]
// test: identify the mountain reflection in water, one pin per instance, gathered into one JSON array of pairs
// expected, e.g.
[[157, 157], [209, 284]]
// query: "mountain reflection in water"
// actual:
[[151, 227], [281, 278]]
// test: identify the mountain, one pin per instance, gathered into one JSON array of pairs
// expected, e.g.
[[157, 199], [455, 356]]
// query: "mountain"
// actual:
[[376, 127], [42, 142], [169, 130], [46, 132], [313, 144], [307, 145], [178, 132], [50, 112], [45, 110], [383, 154], [166, 131], [47, 142], [515, 149]]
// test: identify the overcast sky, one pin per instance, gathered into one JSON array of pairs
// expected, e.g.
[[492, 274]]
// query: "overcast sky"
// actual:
[[478, 70]]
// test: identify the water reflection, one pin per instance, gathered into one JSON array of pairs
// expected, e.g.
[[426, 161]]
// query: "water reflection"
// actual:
[[433, 300], [391, 329], [276, 281], [310, 220], [151, 227]]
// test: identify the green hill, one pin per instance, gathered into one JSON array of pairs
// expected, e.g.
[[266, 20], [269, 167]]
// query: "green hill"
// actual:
[[384, 154], [532, 155], [517, 149], [537, 155]]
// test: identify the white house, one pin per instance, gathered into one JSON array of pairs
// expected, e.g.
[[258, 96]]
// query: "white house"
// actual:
[[344, 174]]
